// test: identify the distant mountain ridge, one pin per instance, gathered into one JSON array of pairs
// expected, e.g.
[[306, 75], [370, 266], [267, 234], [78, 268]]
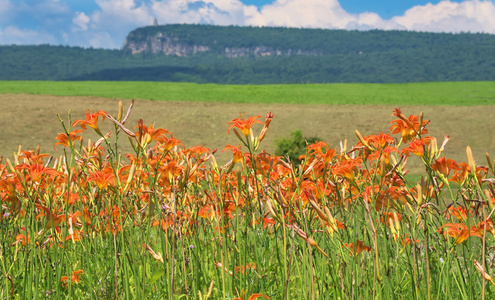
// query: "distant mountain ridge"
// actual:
[[186, 39], [254, 55]]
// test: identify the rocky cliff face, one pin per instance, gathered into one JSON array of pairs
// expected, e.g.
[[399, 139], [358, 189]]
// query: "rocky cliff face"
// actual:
[[161, 43], [261, 51]]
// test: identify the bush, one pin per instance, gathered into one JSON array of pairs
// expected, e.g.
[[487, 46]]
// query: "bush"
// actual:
[[294, 146]]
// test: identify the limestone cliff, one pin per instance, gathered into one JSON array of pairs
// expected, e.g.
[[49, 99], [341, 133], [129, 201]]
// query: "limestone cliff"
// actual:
[[163, 40], [161, 43]]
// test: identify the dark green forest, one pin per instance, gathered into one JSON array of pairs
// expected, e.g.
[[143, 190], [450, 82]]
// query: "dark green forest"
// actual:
[[342, 56]]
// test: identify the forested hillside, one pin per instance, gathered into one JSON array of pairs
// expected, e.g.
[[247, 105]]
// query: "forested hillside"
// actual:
[[205, 53]]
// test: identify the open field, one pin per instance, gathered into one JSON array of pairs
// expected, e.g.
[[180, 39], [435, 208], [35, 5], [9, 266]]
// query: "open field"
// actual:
[[29, 120], [437, 93]]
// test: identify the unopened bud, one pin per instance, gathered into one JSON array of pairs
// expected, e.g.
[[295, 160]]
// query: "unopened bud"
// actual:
[[470, 159], [488, 199], [419, 198], [361, 139], [489, 161], [433, 148], [479, 267], [121, 111], [420, 122]]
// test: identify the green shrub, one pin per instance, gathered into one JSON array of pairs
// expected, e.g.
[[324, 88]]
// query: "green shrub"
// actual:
[[294, 146]]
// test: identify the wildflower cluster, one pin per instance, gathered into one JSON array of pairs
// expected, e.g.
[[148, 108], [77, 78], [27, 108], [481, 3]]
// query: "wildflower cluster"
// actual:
[[169, 220]]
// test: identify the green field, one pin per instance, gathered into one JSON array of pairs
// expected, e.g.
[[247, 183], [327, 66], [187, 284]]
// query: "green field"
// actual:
[[438, 93]]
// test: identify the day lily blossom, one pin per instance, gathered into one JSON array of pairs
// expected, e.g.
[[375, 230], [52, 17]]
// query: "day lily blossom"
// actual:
[[244, 124], [63, 138], [91, 121]]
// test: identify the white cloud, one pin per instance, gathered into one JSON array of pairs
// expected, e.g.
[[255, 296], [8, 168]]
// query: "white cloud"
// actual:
[[14, 35], [5, 8], [219, 12], [114, 14], [80, 21], [446, 16], [102, 40], [301, 13]]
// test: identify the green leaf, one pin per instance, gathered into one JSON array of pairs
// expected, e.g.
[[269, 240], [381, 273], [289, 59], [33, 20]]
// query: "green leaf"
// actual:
[[158, 273]]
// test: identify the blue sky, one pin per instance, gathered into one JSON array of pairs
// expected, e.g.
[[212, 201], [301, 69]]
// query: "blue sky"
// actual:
[[105, 23]]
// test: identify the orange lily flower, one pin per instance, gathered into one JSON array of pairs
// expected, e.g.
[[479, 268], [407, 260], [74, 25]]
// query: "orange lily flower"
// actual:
[[322, 151], [417, 147], [75, 236], [146, 134], [460, 174], [195, 151], [9, 186], [406, 240], [479, 230], [22, 239], [318, 147], [444, 166], [36, 171], [166, 223], [74, 278], [459, 231], [458, 211], [237, 153], [64, 138], [171, 170], [103, 178], [383, 154], [243, 268], [87, 216], [243, 124], [344, 171], [168, 143], [407, 127], [390, 197], [33, 158], [208, 212], [53, 219], [91, 120], [358, 248], [242, 296], [268, 222], [379, 141]]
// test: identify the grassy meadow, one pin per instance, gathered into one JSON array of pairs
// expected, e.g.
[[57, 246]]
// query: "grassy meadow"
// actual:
[[437, 93], [142, 207]]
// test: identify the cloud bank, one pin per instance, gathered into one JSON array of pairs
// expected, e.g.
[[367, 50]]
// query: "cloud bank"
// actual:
[[56, 22]]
